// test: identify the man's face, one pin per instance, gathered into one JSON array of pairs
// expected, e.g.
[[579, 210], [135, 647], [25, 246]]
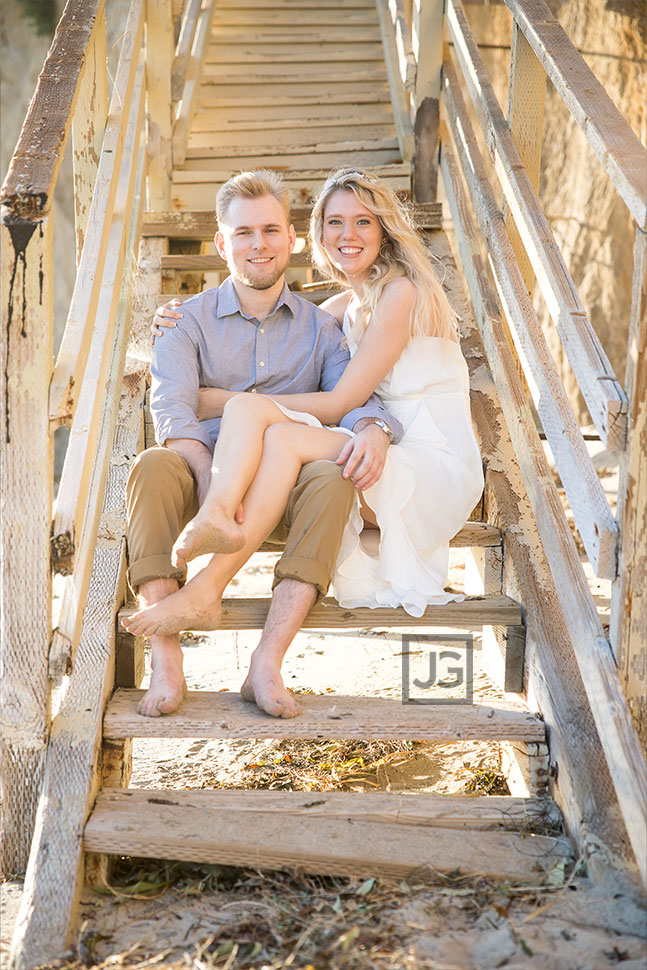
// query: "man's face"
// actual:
[[256, 241]]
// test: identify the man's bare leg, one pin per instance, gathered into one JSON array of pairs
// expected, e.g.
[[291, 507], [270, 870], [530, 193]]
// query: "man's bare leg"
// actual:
[[291, 603], [168, 686]]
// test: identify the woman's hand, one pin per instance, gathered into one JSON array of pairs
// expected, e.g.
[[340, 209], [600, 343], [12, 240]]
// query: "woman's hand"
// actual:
[[165, 316], [211, 402]]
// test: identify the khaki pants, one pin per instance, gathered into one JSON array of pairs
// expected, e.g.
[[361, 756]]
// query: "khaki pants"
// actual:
[[162, 498]]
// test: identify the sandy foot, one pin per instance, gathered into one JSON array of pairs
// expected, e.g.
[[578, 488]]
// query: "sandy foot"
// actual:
[[168, 686], [208, 532], [264, 687], [194, 607]]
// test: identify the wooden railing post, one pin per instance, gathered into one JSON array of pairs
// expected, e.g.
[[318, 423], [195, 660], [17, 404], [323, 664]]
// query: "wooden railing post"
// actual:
[[26, 512], [628, 633], [88, 127], [159, 64], [526, 121], [427, 42]]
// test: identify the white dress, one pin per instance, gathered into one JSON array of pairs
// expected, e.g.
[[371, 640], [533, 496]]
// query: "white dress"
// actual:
[[431, 481]]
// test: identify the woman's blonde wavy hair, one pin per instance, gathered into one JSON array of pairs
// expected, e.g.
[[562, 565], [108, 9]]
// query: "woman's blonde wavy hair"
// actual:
[[402, 254]]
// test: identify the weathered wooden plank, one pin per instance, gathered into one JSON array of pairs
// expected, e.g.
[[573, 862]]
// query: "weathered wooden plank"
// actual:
[[427, 38], [590, 508], [526, 92], [159, 59], [339, 146], [188, 825], [202, 224], [609, 134], [181, 177], [222, 714], [403, 45], [86, 461], [317, 100], [296, 33], [350, 114], [628, 632], [294, 74], [25, 513], [192, 78], [283, 159], [184, 45], [602, 392], [241, 613], [259, 20], [401, 113], [322, 89], [608, 707], [29, 186], [88, 126], [54, 878], [73, 352], [239, 55], [335, 7], [279, 135]]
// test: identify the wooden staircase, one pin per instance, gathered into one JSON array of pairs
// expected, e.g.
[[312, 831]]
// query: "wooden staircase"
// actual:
[[301, 85]]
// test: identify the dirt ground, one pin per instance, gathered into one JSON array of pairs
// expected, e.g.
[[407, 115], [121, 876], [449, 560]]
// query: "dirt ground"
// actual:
[[198, 917]]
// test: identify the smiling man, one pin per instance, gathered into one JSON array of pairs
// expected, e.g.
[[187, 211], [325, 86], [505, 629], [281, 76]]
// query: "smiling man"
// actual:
[[249, 334]]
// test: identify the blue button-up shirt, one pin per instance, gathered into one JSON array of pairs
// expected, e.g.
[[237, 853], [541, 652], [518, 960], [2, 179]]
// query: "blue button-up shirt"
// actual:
[[296, 349]]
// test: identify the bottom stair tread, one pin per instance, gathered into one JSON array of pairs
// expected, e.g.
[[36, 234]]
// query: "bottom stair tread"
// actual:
[[342, 833]]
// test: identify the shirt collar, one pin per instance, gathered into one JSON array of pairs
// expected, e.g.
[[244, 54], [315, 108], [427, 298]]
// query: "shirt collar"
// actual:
[[229, 303]]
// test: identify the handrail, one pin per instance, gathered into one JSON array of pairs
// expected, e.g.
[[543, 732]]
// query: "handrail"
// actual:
[[183, 48], [611, 714], [29, 185], [586, 497], [603, 393], [608, 133]]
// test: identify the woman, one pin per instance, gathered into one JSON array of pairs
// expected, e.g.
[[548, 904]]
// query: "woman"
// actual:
[[403, 339]]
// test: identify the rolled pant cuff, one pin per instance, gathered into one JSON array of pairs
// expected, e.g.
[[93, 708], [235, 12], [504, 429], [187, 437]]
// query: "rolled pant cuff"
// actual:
[[304, 571], [153, 567]]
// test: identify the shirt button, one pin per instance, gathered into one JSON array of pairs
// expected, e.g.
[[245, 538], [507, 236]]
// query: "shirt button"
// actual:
[[253, 391], [262, 330], [261, 363]]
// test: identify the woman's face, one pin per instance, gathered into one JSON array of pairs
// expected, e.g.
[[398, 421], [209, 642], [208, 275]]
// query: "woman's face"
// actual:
[[351, 234]]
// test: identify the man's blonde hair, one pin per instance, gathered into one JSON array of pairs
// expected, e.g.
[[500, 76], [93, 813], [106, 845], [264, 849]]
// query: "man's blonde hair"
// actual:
[[252, 185]]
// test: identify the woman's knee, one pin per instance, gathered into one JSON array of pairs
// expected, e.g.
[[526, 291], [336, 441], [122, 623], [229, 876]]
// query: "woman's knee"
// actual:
[[246, 407]]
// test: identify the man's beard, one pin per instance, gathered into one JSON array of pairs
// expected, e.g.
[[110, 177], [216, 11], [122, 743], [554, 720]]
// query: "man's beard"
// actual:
[[260, 283]]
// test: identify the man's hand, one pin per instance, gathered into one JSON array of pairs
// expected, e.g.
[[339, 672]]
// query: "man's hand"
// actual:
[[364, 455], [198, 458]]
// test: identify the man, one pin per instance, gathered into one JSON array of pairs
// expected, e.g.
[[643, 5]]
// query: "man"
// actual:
[[249, 334]]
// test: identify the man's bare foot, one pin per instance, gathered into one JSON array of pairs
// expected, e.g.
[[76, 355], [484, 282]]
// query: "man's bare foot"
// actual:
[[168, 687], [194, 607], [264, 687], [210, 531]]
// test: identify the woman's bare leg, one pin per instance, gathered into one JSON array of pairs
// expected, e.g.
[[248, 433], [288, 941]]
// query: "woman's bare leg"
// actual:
[[236, 460], [196, 606]]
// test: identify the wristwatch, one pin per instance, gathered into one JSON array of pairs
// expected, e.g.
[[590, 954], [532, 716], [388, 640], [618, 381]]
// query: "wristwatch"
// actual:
[[385, 428]]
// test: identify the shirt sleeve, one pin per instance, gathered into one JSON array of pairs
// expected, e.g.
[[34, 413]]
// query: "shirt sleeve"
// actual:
[[175, 373], [337, 357]]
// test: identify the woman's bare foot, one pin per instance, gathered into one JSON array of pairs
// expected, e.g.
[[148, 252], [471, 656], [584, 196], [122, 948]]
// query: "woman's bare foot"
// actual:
[[210, 531], [168, 687], [264, 687], [194, 607]]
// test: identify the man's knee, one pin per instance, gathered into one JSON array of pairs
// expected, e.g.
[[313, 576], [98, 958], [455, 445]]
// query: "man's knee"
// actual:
[[326, 479], [155, 468]]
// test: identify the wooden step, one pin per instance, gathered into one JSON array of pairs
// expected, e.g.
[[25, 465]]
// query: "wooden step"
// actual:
[[281, 159], [244, 54], [279, 105], [314, 146], [296, 34], [340, 833], [202, 224], [223, 714], [276, 134], [270, 16], [242, 613]]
